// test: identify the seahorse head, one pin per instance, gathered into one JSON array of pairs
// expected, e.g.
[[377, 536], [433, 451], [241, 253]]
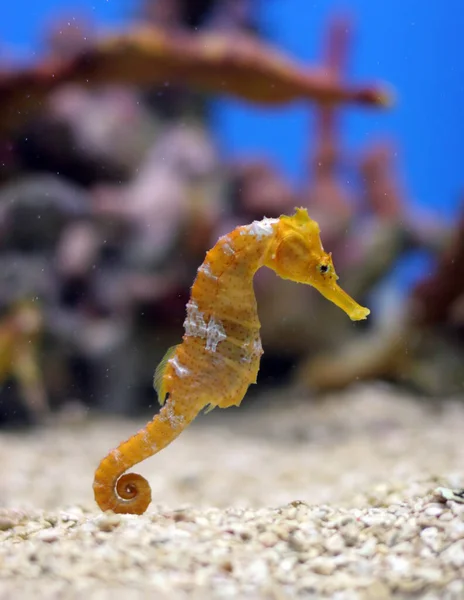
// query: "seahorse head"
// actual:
[[297, 254]]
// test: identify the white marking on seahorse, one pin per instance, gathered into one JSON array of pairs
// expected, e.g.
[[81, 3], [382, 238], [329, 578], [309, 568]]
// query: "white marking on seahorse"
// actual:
[[257, 347], [215, 334], [146, 438], [260, 229], [195, 326], [253, 350], [227, 245], [116, 454], [180, 370], [194, 323], [167, 414], [206, 269]]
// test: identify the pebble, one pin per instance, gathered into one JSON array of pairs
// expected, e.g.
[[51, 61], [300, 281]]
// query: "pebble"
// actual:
[[457, 509], [454, 554], [430, 537], [434, 511], [268, 539], [350, 535], [6, 523], [108, 522], [335, 544], [368, 548], [49, 535], [376, 591], [455, 495], [323, 566]]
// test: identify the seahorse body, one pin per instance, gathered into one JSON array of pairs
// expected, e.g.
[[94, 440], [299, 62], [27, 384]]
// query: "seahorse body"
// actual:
[[221, 349]]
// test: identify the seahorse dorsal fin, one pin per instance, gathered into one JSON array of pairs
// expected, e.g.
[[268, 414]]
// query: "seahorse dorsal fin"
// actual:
[[301, 215], [302, 222], [158, 378]]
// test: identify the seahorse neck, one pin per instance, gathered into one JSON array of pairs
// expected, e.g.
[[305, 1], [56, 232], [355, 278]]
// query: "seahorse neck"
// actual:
[[224, 284], [256, 242]]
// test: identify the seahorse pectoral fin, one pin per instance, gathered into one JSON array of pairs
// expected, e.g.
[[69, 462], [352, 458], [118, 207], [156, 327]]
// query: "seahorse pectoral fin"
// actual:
[[158, 378], [209, 408], [340, 298]]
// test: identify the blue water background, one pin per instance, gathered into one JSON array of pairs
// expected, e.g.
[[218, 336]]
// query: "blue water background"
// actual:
[[416, 46]]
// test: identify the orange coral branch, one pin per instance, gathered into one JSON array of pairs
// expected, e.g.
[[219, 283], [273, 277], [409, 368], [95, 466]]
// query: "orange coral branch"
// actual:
[[237, 66], [325, 192], [335, 59], [433, 297]]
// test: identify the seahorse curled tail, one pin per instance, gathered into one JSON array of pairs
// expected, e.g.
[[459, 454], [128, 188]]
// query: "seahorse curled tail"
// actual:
[[130, 492]]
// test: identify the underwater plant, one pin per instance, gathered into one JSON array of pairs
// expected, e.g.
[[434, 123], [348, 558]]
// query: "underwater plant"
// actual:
[[20, 336]]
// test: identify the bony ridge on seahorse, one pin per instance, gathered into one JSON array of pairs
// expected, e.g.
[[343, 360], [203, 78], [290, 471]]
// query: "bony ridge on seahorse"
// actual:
[[221, 349]]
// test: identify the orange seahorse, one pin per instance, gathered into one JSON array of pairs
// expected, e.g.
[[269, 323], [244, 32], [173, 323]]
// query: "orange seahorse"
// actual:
[[221, 349]]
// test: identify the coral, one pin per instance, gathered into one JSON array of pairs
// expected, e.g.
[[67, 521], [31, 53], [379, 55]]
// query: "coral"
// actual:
[[433, 298], [146, 56]]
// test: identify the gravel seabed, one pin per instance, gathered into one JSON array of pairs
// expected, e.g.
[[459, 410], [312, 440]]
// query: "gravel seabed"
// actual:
[[287, 498]]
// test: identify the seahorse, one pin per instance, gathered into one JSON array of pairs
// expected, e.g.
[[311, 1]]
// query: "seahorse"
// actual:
[[220, 353]]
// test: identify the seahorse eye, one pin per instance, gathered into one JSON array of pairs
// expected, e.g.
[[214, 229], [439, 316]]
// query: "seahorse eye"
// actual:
[[323, 268]]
